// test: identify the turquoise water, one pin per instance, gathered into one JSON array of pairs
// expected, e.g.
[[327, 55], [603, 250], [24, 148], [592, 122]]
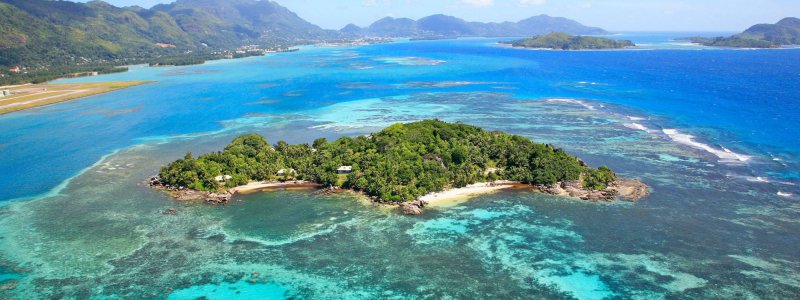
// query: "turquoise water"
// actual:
[[711, 130]]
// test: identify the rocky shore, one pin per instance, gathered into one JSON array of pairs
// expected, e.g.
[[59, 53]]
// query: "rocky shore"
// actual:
[[180, 193], [625, 189], [186, 194]]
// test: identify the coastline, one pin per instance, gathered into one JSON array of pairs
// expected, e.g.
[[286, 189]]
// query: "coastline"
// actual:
[[253, 187], [622, 189], [455, 196], [224, 197]]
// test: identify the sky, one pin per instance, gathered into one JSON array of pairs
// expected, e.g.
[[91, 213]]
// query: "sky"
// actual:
[[616, 15]]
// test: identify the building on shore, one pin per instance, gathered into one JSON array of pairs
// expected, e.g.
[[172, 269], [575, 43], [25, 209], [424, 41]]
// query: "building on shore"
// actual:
[[222, 178], [345, 170]]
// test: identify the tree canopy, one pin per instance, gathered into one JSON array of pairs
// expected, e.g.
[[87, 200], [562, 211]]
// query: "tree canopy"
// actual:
[[400, 163], [563, 41]]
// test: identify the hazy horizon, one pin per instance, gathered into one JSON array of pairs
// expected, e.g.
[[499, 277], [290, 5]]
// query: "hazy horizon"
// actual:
[[615, 15]]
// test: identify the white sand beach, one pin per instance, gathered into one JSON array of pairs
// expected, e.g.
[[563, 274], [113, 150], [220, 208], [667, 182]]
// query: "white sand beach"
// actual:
[[459, 195], [256, 186]]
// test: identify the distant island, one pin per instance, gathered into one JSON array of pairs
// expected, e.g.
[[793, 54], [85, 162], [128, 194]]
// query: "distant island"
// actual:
[[564, 41], [404, 164], [441, 26], [785, 32]]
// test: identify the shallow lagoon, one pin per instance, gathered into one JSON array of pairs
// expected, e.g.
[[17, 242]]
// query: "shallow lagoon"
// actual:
[[710, 230]]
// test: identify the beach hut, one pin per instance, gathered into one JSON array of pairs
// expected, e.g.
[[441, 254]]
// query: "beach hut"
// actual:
[[345, 170]]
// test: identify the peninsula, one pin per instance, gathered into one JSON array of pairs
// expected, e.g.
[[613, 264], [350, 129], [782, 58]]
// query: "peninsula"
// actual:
[[563, 41], [405, 164]]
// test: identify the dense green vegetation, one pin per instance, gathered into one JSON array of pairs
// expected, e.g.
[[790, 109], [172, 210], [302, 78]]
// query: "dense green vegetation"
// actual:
[[785, 32], [44, 35], [563, 41], [197, 59], [184, 60], [734, 42], [400, 163]]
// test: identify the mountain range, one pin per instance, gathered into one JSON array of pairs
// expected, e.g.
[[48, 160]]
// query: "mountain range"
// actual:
[[50, 31], [38, 33], [448, 26]]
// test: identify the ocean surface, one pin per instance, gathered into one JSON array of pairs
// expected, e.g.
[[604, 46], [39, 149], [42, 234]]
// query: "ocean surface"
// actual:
[[712, 131]]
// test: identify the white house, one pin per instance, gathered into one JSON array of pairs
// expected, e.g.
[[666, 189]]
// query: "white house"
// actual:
[[345, 170], [223, 178]]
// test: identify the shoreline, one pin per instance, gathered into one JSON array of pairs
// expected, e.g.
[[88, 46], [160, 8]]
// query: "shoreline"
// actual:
[[253, 187], [448, 197], [622, 189], [182, 194]]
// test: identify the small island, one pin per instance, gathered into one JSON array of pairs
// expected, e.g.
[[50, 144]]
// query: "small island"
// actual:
[[785, 32], [407, 165], [563, 41]]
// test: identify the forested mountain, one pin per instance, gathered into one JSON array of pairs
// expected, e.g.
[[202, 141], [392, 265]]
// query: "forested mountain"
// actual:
[[220, 24], [785, 32], [44, 35], [44, 32], [448, 26]]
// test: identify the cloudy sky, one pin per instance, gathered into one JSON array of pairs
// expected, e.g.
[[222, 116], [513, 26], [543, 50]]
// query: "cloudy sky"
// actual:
[[642, 15]]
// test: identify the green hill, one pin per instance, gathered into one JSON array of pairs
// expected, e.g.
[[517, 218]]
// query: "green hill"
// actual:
[[563, 41], [36, 33], [400, 163], [785, 32]]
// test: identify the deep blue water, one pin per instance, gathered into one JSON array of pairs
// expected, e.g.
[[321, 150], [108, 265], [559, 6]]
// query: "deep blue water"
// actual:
[[712, 131]]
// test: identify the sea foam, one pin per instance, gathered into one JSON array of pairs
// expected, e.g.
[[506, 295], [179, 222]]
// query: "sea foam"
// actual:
[[572, 101], [637, 126], [725, 155]]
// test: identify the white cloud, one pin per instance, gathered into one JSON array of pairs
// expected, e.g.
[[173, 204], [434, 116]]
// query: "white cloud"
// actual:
[[481, 3], [532, 2]]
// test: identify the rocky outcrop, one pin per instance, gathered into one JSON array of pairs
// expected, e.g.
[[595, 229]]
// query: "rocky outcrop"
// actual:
[[626, 189], [184, 194], [329, 190], [413, 207], [630, 189]]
